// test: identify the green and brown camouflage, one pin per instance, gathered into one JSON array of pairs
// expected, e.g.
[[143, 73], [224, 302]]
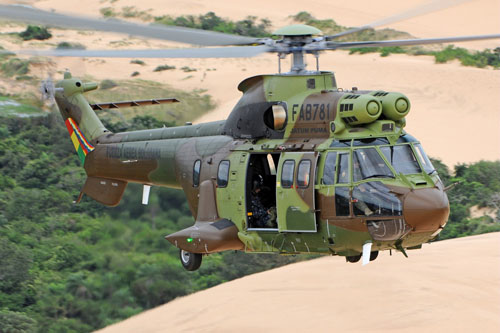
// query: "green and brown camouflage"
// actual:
[[313, 145]]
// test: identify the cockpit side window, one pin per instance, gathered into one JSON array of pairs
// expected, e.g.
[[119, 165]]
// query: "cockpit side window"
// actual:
[[402, 159], [367, 163], [343, 169], [329, 169], [426, 163]]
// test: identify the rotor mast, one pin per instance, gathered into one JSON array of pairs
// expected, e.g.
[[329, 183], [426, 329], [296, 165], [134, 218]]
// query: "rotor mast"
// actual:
[[295, 40]]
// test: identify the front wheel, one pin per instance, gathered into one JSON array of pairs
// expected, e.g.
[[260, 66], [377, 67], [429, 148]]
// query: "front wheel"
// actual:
[[190, 261], [353, 259]]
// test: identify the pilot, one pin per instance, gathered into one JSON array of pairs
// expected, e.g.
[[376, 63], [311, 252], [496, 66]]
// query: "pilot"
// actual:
[[359, 202]]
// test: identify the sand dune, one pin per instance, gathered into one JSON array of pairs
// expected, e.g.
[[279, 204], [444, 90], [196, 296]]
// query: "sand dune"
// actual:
[[448, 286]]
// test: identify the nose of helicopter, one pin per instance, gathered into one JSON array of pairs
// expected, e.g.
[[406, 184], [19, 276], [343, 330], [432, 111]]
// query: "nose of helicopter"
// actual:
[[426, 210]]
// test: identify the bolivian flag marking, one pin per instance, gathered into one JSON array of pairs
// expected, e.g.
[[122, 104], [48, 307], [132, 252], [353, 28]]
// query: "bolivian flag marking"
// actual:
[[82, 146]]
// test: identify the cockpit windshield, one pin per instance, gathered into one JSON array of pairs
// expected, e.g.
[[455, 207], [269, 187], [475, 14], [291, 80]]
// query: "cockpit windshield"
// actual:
[[402, 159], [367, 163], [426, 163]]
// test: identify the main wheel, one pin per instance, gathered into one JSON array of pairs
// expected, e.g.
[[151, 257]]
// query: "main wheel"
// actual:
[[373, 255], [353, 258], [190, 261]]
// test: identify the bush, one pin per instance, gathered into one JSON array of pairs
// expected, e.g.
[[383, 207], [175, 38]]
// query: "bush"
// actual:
[[108, 84], [35, 32], [70, 45], [137, 62], [188, 69], [163, 68], [210, 21]]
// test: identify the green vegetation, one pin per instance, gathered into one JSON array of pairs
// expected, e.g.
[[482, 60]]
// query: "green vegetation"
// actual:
[[137, 62], [479, 185], [70, 45], [469, 58], [35, 32], [188, 69], [210, 21], [15, 66], [77, 268], [161, 68], [126, 12], [107, 84]]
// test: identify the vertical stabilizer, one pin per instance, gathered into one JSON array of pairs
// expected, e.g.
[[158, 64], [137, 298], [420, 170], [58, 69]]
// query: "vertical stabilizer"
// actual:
[[76, 111]]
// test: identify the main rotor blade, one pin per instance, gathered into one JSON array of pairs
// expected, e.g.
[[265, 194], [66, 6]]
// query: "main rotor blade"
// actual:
[[215, 52], [432, 6], [176, 34], [407, 42]]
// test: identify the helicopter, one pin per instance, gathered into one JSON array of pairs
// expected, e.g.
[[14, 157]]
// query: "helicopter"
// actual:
[[299, 166]]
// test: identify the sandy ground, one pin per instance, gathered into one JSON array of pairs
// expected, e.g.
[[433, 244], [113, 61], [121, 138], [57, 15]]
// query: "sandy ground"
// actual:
[[455, 109], [449, 286]]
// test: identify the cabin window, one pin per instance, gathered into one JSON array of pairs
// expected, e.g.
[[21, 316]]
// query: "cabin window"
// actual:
[[287, 173], [329, 169], [196, 173], [343, 170], [375, 199], [426, 163], [304, 173], [368, 163], [402, 159], [223, 174]]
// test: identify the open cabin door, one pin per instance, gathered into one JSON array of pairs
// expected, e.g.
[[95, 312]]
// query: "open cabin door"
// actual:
[[295, 192]]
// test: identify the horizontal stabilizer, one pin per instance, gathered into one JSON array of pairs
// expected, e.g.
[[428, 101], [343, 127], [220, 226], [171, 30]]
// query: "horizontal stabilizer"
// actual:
[[127, 104], [109, 192]]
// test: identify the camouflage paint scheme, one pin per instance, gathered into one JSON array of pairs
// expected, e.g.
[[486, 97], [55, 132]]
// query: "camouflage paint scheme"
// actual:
[[319, 119]]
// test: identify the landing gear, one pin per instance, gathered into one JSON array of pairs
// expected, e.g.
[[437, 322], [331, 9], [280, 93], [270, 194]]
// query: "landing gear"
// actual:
[[190, 261], [353, 259]]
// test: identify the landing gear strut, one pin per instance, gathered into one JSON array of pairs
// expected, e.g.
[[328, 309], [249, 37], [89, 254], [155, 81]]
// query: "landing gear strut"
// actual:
[[190, 261], [353, 259]]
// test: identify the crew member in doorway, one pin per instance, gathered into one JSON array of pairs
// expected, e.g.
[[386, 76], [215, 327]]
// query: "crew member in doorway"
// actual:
[[262, 217]]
